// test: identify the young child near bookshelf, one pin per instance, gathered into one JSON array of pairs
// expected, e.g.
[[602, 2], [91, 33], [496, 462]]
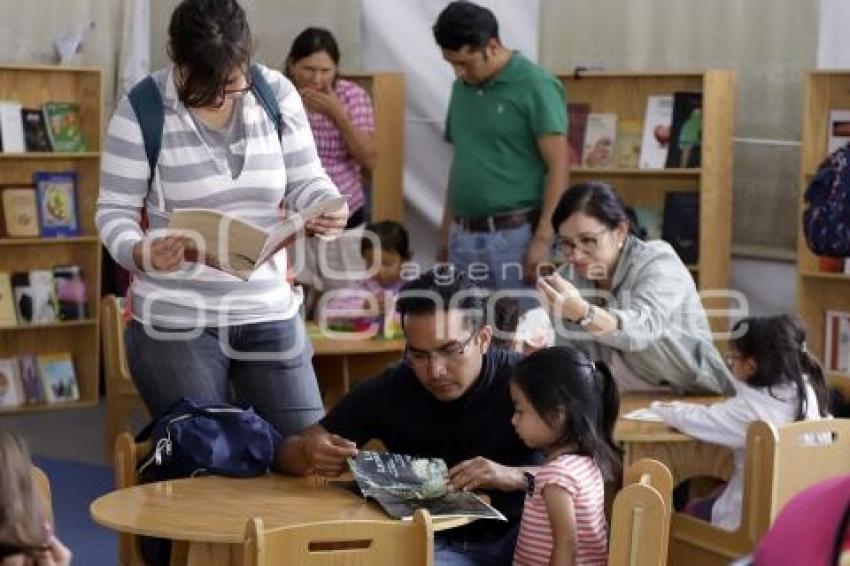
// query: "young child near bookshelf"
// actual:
[[565, 405], [25, 536], [376, 294], [776, 380]]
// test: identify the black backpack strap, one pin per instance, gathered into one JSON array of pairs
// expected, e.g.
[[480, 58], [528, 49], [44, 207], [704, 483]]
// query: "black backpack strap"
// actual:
[[264, 93], [147, 104]]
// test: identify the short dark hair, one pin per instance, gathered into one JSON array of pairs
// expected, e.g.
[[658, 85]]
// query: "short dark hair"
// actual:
[[465, 24], [391, 235], [313, 40], [208, 40], [443, 288], [600, 201], [505, 318]]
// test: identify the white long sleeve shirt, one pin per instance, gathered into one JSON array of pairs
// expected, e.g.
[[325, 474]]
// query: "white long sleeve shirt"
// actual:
[[726, 423]]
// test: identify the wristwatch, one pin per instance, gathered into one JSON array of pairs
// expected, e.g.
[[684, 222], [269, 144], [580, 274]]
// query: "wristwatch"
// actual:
[[588, 317]]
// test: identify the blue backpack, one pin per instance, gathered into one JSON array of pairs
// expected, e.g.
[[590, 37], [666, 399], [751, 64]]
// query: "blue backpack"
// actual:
[[193, 438], [826, 219], [146, 101]]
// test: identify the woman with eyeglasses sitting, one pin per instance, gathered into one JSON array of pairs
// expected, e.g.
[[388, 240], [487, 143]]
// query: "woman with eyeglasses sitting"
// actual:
[[629, 303]]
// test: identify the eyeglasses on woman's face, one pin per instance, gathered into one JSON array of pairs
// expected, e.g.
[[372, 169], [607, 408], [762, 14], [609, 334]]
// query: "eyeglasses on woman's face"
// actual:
[[446, 355], [587, 243]]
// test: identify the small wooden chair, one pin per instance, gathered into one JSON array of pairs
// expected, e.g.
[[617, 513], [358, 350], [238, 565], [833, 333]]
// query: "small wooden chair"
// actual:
[[122, 398], [41, 484], [640, 524], [780, 462], [338, 543]]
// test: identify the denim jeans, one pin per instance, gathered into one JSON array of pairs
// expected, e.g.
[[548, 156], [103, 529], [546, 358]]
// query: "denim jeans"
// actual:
[[449, 551], [266, 365], [494, 259]]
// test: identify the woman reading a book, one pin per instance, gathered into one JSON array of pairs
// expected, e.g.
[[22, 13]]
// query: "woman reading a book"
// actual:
[[198, 331], [342, 122], [629, 303]]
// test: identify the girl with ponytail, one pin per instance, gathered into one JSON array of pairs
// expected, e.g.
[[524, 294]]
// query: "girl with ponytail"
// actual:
[[776, 380], [565, 405]]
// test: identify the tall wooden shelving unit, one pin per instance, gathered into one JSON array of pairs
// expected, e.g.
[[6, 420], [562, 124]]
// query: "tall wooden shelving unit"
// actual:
[[817, 291], [32, 86], [386, 179], [626, 94]]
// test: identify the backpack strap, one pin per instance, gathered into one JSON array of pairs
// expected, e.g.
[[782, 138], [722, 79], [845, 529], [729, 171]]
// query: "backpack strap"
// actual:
[[147, 104], [264, 93]]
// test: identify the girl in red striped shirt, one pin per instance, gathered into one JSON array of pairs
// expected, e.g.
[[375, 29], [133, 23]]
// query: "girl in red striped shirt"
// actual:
[[565, 405]]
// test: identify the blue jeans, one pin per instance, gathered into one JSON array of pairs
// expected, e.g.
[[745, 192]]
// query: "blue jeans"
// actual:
[[266, 365], [494, 259], [450, 551]]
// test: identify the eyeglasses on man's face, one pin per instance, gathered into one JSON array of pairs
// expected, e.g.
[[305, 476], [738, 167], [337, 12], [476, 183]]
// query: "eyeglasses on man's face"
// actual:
[[447, 354], [586, 243]]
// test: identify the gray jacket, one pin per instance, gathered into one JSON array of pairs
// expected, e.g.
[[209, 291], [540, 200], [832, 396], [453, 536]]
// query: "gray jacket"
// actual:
[[664, 335]]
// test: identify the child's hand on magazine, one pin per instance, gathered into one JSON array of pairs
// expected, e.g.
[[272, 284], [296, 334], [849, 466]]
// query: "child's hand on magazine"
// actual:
[[481, 473]]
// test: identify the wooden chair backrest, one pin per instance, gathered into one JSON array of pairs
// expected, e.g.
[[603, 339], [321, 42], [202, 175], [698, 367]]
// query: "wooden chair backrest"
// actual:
[[340, 543], [41, 485], [640, 525], [112, 339], [127, 455]]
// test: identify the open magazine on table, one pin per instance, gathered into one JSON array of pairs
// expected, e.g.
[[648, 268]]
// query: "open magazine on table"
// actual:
[[401, 484]]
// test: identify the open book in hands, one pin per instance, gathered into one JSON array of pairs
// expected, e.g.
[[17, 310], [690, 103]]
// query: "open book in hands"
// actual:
[[238, 246], [401, 484]]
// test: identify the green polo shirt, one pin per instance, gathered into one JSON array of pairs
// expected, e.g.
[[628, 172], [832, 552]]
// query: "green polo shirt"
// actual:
[[494, 128]]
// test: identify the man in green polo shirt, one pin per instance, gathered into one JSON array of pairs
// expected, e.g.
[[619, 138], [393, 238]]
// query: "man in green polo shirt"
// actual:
[[507, 121]]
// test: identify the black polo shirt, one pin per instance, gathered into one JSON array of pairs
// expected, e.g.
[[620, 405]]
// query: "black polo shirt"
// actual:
[[396, 409]]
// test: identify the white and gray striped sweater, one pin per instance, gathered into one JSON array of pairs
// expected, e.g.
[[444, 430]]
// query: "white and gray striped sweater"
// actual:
[[276, 172]]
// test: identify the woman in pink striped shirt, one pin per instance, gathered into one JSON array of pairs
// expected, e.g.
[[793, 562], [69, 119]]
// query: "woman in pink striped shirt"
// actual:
[[565, 405]]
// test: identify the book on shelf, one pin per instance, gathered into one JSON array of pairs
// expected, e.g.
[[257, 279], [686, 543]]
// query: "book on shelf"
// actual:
[[20, 212], [64, 126], [35, 296], [35, 130], [627, 152], [680, 226], [11, 392], [57, 203], [401, 484], [11, 127], [600, 135], [685, 149], [838, 129], [836, 352], [577, 122], [656, 131], [8, 315], [650, 219], [58, 379], [30, 382], [238, 246], [70, 292]]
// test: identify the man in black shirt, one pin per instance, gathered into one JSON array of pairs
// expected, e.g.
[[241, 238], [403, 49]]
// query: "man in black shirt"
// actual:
[[448, 399]]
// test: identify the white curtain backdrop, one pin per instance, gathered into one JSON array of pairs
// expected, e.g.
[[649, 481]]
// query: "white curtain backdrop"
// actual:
[[135, 45], [396, 36], [833, 42]]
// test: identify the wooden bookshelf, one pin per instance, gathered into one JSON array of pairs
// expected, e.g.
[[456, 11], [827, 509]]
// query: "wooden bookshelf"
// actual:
[[385, 181], [818, 291], [626, 94], [32, 86]]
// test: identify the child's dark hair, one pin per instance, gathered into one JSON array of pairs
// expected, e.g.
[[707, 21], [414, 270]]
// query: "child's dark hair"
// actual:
[[563, 380], [505, 318], [777, 344], [465, 24], [21, 515], [391, 235], [313, 40], [600, 201]]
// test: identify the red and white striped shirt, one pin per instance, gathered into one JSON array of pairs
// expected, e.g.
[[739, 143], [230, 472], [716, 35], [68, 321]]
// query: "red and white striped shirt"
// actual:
[[582, 479], [338, 162]]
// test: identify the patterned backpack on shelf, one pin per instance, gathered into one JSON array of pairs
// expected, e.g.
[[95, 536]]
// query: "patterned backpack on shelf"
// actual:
[[826, 218]]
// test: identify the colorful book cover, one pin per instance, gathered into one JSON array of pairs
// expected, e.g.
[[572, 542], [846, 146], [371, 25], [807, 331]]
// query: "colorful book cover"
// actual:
[[8, 316], [685, 131], [577, 123], [70, 292], [599, 139], [838, 134], [30, 383], [20, 212], [656, 131], [57, 377], [35, 297], [64, 126], [57, 203], [650, 219], [627, 153], [35, 130], [11, 393]]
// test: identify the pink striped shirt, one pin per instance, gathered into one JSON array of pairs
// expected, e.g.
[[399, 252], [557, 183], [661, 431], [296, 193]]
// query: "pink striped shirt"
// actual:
[[582, 479], [338, 162]]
